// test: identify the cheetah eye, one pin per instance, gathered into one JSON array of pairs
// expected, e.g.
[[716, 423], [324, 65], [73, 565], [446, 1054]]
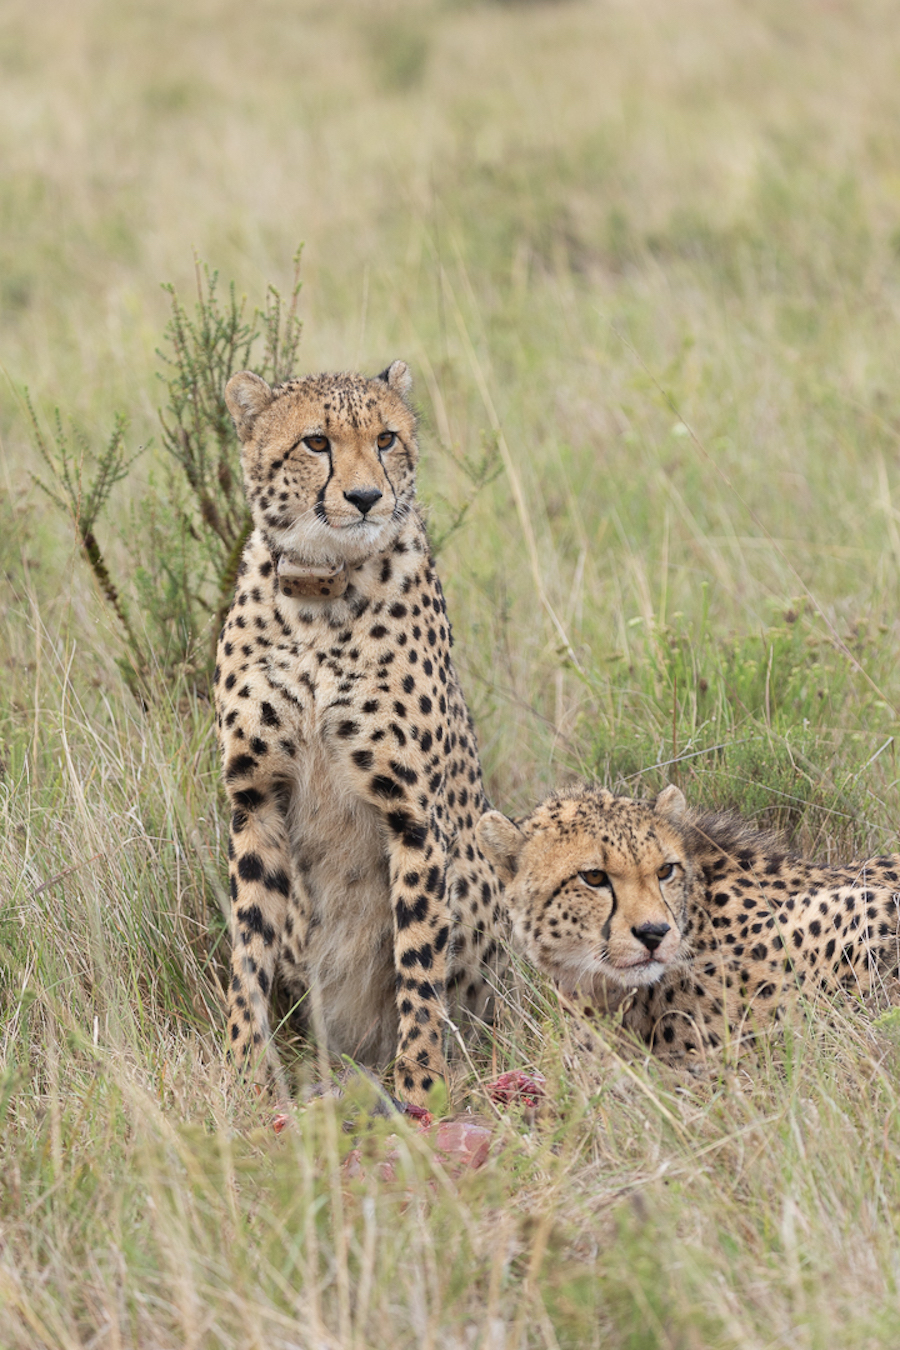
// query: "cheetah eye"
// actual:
[[667, 871], [594, 878], [386, 440], [318, 444]]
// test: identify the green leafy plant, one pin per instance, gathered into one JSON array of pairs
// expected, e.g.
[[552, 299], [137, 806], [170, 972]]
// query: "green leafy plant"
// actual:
[[185, 545], [203, 353], [85, 502]]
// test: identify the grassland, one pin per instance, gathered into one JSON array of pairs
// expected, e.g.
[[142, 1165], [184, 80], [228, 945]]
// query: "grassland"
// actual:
[[648, 255]]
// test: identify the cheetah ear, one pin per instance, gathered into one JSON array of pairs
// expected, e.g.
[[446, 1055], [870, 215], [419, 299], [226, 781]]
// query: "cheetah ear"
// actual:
[[398, 378], [245, 396], [671, 803], [501, 843]]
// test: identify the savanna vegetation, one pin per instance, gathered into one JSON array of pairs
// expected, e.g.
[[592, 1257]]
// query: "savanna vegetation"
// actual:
[[644, 260]]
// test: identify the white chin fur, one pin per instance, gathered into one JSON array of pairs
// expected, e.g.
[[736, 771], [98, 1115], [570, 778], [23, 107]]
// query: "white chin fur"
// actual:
[[632, 976], [322, 545], [571, 976]]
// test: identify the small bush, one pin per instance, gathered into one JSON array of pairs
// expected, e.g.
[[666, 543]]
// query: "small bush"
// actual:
[[185, 543]]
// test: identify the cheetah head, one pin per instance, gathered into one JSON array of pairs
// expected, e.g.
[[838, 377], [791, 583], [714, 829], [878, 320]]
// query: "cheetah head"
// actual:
[[329, 461], [595, 884]]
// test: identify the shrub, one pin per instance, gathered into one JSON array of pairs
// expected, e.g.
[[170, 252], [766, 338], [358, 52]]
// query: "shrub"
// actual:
[[185, 543]]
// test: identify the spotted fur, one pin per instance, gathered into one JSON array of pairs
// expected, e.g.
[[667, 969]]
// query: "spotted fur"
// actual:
[[697, 928], [349, 756]]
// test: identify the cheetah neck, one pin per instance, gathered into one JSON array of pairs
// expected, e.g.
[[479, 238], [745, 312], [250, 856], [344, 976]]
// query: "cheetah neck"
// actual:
[[336, 589], [300, 580]]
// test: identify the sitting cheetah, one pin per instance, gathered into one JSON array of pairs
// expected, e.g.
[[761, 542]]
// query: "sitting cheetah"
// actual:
[[698, 929], [349, 756]]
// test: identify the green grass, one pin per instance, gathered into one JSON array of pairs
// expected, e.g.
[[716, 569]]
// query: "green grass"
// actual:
[[646, 257]]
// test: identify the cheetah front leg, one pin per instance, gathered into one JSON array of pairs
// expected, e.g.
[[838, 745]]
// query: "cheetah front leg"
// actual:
[[260, 877], [418, 867]]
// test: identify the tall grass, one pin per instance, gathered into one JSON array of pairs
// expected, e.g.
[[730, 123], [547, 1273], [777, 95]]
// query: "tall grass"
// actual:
[[645, 257]]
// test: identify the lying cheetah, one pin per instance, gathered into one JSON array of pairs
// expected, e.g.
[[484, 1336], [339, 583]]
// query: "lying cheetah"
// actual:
[[696, 927], [349, 756]]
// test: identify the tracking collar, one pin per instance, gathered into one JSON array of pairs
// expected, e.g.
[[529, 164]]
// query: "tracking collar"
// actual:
[[299, 580]]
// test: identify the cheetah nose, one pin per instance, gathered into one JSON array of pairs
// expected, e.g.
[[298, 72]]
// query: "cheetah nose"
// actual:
[[364, 498], [651, 934]]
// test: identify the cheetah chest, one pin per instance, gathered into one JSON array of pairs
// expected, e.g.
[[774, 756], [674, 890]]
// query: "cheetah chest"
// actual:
[[339, 941]]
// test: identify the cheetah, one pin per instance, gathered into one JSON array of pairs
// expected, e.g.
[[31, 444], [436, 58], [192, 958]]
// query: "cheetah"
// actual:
[[349, 756], [692, 926]]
